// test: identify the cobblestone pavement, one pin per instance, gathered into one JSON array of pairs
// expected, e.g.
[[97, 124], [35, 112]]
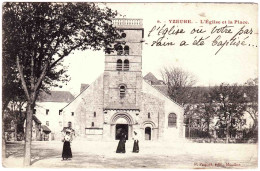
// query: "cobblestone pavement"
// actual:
[[91, 154]]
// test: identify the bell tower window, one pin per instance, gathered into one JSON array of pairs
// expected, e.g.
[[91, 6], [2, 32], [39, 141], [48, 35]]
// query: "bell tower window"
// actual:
[[123, 35], [119, 50], [119, 65], [126, 65], [126, 50], [122, 91]]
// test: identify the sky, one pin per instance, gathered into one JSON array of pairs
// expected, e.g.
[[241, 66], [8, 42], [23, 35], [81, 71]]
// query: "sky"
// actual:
[[233, 64]]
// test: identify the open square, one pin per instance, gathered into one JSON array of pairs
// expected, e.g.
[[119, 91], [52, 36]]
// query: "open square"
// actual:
[[91, 154]]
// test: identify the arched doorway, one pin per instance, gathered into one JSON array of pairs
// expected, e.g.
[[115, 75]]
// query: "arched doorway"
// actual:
[[122, 123], [119, 129], [148, 133], [150, 130]]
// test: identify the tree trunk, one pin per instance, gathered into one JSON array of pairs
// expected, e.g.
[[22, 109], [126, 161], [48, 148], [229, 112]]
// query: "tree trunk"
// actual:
[[227, 134], [208, 122], [208, 133], [3, 138], [15, 128], [189, 128], [28, 135], [15, 131]]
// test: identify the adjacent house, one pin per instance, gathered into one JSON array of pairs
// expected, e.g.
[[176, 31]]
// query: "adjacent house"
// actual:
[[47, 110]]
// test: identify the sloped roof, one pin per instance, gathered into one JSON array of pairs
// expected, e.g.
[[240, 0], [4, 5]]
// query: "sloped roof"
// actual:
[[163, 88], [56, 96], [36, 119], [83, 87], [45, 128], [151, 78], [166, 95]]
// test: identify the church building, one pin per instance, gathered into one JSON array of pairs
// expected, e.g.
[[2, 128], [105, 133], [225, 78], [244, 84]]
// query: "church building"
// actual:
[[121, 99]]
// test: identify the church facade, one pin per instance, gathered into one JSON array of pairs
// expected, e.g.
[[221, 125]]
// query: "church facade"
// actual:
[[121, 99]]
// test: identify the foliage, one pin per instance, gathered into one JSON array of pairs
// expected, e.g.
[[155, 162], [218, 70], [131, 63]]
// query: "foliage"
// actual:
[[11, 87], [200, 112], [251, 104], [38, 36], [230, 108]]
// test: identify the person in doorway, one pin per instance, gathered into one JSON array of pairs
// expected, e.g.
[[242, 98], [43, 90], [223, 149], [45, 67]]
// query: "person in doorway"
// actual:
[[136, 142], [121, 144], [66, 152]]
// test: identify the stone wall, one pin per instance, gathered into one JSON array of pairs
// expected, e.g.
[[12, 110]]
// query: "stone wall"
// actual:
[[153, 106], [112, 82], [84, 106], [171, 134]]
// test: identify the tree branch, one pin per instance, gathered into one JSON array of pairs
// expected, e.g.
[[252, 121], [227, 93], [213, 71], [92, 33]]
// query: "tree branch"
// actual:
[[22, 78], [41, 78], [65, 54]]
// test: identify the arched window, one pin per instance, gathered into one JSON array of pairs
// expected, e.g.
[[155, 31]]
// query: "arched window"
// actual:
[[126, 50], [126, 65], [119, 50], [108, 51], [149, 115], [172, 120], [119, 65], [95, 114], [122, 91], [123, 35]]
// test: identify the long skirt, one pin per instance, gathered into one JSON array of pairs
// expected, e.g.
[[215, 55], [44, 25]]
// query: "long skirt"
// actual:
[[121, 147], [66, 152], [136, 146]]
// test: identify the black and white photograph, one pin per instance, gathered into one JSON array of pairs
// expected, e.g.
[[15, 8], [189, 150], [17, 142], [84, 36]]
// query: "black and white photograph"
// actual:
[[120, 85]]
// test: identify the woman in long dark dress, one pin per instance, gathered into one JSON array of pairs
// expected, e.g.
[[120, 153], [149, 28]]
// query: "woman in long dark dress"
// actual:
[[121, 144], [136, 143], [66, 152]]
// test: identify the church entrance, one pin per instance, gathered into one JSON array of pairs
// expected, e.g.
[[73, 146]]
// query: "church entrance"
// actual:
[[121, 128], [148, 133]]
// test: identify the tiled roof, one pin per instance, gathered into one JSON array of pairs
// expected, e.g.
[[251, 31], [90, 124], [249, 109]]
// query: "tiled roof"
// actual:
[[162, 88], [45, 128], [151, 78], [56, 96], [36, 119], [83, 87]]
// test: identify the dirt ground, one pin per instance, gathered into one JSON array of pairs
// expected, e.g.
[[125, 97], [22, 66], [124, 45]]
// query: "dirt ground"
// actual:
[[92, 154]]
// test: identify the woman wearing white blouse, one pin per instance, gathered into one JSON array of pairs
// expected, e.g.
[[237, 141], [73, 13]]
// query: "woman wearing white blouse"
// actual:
[[136, 142], [66, 152]]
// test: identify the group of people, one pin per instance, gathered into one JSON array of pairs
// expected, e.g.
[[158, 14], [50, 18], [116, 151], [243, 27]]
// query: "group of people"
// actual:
[[67, 154], [122, 141]]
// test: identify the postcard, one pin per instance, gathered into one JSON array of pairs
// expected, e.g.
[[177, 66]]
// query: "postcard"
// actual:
[[130, 85]]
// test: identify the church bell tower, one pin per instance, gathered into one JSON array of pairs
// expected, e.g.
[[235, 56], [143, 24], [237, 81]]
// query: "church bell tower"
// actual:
[[123, 67]]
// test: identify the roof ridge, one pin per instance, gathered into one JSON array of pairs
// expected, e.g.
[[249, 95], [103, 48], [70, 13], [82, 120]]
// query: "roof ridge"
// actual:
[[163, 94], [81, 92]]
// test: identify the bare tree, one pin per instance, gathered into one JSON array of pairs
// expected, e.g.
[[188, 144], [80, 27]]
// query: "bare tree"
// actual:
[[179, 83]]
